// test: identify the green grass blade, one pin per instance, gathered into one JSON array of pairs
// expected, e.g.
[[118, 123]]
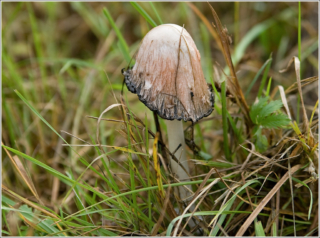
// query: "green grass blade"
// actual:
[[78, 201], [124, 52], [39, 115], [123, 43], [9, 120], [37, 45], [156, 12], [257, 76], [207, 52], [43, 120], [211, 213], [311, 195], [259, 229], [132, 179], [54, 172], [269, 87], [144, 14], [13, 16], [309, 50], [71, 183], [217, 97], [93, 20], [148, 171], [264, 77], [311, 232], [216, 229], [15, 81], [255, 32], [283, 48], [232, 122], [274, 230], [5, 232], [237, 208], [152, 188], [222, 209]]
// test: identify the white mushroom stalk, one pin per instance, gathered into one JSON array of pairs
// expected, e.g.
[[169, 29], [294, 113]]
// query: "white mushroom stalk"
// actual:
[[176, 138], [168, 79]]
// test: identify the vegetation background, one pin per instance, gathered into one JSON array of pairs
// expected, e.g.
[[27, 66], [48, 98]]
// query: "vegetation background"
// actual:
[[64, 60]]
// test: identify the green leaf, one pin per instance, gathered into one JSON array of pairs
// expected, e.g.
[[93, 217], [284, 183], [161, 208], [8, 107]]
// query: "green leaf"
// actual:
[[256, 108], [270, 108], [263, 114], [275, 121]]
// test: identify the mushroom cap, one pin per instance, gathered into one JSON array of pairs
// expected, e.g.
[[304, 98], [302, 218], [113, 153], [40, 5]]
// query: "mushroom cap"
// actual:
[[167, 75]]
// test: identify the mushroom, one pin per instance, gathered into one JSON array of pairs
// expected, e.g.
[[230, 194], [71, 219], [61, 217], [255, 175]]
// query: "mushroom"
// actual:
[[168, 79]]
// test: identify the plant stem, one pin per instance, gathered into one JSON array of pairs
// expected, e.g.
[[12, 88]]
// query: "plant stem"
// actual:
[[176, 138]]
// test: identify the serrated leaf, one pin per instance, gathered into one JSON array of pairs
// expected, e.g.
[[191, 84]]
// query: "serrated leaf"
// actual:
[[275, 121], [262, 114], [257, 107], [270, 108]]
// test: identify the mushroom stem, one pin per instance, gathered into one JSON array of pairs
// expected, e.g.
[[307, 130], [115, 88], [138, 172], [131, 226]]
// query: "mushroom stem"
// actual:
[[176, 137]]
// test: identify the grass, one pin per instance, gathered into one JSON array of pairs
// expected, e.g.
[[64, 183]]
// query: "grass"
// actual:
[[82, 159]]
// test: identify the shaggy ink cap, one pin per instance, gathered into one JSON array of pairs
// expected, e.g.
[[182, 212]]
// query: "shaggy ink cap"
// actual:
[[167, 75]]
